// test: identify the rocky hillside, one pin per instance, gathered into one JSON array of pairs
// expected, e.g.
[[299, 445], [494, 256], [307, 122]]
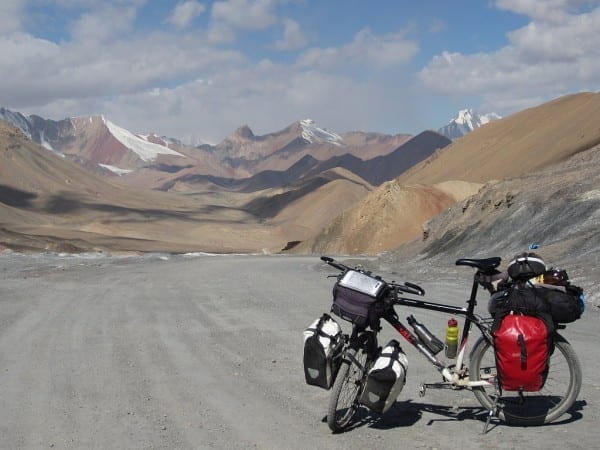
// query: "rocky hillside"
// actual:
[[557, 207]]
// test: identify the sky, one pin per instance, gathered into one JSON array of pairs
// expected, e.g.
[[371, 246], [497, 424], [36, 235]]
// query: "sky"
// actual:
[[197, 70]]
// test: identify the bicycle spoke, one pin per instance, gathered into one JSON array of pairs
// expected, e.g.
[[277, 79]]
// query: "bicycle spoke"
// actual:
[[344, 398]]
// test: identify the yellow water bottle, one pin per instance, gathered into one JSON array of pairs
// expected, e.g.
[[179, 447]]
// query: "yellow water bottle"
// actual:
[[451, 338]]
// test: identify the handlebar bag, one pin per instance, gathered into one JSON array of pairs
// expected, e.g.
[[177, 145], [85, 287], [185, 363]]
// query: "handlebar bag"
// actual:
[[385, 379], [323, 345], [354, 296], [522, 346]]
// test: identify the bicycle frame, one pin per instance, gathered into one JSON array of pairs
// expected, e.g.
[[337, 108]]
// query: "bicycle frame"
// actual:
[[453, 375]]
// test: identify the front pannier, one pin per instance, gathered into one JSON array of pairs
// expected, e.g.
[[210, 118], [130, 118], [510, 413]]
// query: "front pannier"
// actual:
[[354, 296], [323, 343], [385, 379]]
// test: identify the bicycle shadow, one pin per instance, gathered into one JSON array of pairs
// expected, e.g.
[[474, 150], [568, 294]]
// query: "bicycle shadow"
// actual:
[[408, 413]]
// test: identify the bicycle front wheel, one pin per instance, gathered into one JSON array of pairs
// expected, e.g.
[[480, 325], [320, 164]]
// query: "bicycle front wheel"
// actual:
[[343, 402], [529, 408]]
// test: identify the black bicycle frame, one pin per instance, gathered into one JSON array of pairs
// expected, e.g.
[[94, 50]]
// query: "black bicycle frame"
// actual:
[[467, 312]]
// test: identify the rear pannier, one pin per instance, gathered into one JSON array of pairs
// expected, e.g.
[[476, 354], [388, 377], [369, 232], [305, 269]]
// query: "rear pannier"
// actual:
[[354, 296], [385, 379], [522, 346], [323, 343]]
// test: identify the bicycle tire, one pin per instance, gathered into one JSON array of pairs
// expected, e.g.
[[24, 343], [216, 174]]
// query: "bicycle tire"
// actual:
[[534, 408], [343, 402]]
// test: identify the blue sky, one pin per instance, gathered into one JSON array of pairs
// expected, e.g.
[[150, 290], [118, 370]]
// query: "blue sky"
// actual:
[[196, 70]]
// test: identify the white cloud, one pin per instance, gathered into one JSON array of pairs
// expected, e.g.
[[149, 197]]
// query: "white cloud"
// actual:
[[210, 108], [554, 11], [185, 13], [366, 50], [230, 16], [293, 37], [105, 23], [182, 85], [10, 19], [245, 14], [541, 60], [37, 71]]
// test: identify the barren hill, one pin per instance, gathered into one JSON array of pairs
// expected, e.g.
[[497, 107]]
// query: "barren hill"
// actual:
[[516, 145], [387, 217]]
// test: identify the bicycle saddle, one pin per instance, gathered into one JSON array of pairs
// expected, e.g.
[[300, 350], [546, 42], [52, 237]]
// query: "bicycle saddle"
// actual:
[[486, 265]]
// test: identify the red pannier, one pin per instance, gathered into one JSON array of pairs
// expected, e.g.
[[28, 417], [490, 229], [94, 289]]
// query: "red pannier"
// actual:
[[523, 345]]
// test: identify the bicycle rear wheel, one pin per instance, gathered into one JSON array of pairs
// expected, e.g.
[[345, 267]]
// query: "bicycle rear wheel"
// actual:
[[529, 408], [343, 402]]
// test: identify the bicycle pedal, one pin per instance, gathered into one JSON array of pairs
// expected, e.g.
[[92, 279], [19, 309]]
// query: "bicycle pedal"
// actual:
[[422, 390]]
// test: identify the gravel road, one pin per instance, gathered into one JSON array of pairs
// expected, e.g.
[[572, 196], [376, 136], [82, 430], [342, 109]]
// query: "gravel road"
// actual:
[[206, 352]]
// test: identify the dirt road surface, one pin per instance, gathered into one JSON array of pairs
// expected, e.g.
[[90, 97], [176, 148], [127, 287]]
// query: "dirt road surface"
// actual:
[[206, 352]]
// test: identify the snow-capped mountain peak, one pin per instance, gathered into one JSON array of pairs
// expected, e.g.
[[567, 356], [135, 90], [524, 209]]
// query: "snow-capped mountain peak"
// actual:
[[466, 121], [146, 150], [311, 133]]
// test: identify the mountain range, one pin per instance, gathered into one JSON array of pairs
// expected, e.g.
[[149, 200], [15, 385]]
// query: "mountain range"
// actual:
[[303, 188], [101, 145]]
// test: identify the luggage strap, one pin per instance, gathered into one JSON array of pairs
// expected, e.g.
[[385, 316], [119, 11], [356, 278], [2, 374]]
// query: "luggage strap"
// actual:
[[319, 329], [523, 347], [394, 357]]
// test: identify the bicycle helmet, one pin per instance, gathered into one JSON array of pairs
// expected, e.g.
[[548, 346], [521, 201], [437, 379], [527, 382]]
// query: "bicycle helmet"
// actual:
[[525, 266]]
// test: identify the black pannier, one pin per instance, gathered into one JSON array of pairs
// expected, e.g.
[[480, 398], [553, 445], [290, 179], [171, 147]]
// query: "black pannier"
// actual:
[[526, 300], [323, 344], [565, 302], [355, 295], [561, 304]]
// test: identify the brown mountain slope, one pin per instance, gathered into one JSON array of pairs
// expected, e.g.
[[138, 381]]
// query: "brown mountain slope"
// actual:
[[525, 141], [309, 213], [387, 217]]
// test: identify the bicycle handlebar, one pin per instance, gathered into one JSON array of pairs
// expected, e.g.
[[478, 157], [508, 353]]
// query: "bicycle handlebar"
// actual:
[[412, 288], [332, 262], [407, 287]]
